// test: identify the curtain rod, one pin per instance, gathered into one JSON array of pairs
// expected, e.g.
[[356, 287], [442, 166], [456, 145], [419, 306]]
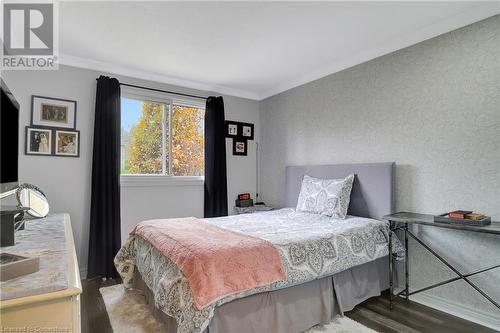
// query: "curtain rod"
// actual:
[[160, 90]]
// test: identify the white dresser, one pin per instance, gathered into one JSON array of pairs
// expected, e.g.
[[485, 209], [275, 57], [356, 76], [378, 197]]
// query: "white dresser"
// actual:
[[50, 302]]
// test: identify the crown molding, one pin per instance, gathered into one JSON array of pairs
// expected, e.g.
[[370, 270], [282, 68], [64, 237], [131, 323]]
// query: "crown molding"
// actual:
[[70, 60], [477, 13], [462, 19]]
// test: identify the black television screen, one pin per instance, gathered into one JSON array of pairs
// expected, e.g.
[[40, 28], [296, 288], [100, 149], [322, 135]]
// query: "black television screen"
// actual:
[[9, 140]]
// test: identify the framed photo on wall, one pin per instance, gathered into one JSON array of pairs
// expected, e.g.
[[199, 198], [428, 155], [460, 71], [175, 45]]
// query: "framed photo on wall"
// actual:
[[38, 141], [54, 112], [246, 131], [232, 129], [240, 147], [67, 143]]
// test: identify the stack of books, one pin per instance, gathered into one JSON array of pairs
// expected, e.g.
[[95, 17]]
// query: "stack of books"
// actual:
[[466, 214], [466, 217]]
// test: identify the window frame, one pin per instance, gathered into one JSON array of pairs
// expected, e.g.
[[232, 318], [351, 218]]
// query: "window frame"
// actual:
[[147, 180]]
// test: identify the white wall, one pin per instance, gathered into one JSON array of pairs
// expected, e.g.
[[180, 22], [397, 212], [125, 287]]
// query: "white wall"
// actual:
[[66, 181], [434, 109]]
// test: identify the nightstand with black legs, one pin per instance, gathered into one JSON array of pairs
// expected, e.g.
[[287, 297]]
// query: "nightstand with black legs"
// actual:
[[401, 221]]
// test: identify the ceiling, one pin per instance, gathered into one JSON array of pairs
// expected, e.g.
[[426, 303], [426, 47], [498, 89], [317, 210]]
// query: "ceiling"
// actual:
[[248, 49]]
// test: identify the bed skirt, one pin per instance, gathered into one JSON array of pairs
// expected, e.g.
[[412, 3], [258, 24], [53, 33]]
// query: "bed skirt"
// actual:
[[293, 309]]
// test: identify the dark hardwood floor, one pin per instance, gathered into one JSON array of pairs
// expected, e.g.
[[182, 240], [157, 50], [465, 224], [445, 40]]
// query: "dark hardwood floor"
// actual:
[[410, 317], [406, 317], [94, 316]]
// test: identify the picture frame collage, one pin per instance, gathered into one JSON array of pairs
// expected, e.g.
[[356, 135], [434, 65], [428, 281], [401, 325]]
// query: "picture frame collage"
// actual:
[[241, 133], [52, 131]]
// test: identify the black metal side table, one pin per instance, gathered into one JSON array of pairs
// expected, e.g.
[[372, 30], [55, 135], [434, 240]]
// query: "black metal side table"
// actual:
[[400, 221]]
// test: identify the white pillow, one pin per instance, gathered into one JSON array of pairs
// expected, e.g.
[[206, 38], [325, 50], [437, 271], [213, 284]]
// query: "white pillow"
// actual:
[[328, 197]]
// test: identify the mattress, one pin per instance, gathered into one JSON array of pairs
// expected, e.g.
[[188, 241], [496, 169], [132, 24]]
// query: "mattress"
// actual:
[[311, 247]]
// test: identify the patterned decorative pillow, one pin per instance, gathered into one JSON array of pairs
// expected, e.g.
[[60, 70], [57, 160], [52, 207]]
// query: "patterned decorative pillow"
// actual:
[[328, 197]]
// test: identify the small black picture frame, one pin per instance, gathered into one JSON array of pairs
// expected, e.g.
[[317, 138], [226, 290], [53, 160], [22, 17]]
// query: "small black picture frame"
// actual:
[[39, 140], [66, 143], [246, 130], [240, 147], [233, 130]]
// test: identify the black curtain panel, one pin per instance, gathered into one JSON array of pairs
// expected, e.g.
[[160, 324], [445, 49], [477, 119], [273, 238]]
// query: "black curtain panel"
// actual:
[[105, 240], [215, 159]]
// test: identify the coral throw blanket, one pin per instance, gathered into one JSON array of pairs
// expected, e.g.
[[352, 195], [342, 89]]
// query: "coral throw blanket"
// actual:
[[217, 262]]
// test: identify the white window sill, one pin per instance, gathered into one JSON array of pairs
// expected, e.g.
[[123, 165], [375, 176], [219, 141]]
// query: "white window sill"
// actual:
[[159, 180]]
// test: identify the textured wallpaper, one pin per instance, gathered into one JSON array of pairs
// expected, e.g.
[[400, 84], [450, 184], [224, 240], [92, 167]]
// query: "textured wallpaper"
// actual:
[[434, 109]]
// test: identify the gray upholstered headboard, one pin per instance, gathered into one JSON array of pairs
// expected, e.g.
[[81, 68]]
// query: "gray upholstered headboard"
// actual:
[[372, 192]]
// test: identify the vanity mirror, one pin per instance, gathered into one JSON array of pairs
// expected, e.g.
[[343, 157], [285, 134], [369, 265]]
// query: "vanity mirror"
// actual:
[[34, 199]]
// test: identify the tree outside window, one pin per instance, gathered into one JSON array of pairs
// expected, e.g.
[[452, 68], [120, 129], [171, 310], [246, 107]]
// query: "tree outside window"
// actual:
[[162, 139]]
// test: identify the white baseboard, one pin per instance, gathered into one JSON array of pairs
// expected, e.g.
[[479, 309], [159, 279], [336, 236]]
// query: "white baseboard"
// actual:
[[459, 310]]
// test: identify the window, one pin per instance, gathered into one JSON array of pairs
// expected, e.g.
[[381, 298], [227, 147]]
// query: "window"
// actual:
[[161, 135]]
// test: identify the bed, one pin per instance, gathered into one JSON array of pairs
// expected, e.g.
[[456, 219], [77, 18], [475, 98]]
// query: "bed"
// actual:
[[331, 265]]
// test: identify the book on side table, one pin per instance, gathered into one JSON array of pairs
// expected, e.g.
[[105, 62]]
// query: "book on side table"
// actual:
[[466, 217]]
